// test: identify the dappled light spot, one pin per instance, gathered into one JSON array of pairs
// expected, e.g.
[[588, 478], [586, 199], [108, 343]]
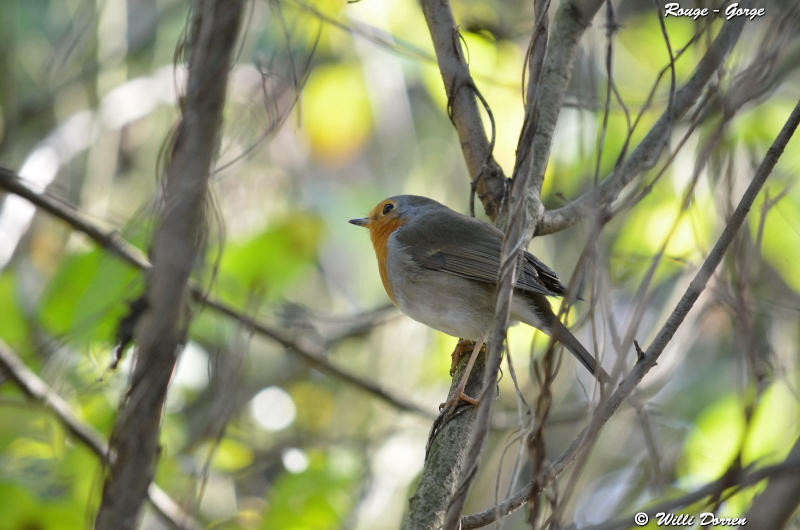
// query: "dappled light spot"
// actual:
[[295, 460], [273, 409]]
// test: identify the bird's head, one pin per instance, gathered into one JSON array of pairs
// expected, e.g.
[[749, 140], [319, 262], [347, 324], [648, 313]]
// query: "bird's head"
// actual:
[[397, 210], [394, 212]]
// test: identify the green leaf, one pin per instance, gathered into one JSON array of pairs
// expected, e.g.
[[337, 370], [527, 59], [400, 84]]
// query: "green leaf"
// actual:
[[271, 260], [13, 324], [87, 297], [15, 504], [316, 498], [721, 432], [232, 455], [715, 441], [336, 111]]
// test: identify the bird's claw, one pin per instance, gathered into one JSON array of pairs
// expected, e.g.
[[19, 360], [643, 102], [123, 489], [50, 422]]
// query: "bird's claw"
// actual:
[[449, 407]]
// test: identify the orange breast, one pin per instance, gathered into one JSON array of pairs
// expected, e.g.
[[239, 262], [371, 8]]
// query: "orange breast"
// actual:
[[379, 232]]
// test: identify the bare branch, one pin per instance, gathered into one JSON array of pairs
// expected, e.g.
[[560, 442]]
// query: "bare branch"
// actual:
[[39, 391], [773, 507], [648, 360], [111, 241], [648, 151], [536, 138], [178, 241], [488, 178]]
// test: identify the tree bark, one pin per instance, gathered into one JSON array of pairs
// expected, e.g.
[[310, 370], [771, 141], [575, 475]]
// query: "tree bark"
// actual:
[[445, 457]]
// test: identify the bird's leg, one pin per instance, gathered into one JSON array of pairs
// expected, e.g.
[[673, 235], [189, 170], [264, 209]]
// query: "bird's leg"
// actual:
[[460, 394], [461, 348]]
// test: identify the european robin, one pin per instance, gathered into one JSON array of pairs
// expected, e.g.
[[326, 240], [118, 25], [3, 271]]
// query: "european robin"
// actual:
[[440, 267]]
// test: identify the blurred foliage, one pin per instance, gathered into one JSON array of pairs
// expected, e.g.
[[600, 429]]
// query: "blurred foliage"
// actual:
[[332, 107]]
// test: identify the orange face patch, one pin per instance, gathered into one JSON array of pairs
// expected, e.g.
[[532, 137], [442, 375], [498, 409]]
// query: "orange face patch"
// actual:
[[380, 228]]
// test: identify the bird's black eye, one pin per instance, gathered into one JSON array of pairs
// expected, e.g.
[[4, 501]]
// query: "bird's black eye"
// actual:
[[388, 208]]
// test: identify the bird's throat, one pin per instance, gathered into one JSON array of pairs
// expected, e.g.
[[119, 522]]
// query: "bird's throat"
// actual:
[[380, 233]]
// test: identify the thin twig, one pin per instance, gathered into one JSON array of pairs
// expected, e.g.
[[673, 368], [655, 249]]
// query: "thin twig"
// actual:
[[570, 22]]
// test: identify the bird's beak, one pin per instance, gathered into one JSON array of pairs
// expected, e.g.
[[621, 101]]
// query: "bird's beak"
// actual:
[[361, 221]]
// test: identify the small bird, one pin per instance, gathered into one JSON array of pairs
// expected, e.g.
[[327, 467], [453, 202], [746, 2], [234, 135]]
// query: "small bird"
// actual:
[[440, 267]]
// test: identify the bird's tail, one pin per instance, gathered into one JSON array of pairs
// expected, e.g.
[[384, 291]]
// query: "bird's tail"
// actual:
[[563, 335]]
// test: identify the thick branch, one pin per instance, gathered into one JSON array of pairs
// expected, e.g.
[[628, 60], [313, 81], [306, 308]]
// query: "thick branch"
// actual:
[[39, 391], [648, 151], [111, 241], [177, 244], [445, 456], [648, 361], [461, 94]]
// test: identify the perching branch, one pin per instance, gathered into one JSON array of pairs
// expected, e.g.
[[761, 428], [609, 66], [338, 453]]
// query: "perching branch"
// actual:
[[513, 245], [178, 241], [303, 347], [586, 438], [444, 456], [39, 391], [648, 151], [488, 179], [467, 120]]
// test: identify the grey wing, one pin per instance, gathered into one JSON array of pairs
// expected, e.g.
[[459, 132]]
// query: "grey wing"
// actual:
[[481, 261], [546, 275]]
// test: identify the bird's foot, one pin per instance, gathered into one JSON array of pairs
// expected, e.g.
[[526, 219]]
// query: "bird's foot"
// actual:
[[449, 407], [461, 348]]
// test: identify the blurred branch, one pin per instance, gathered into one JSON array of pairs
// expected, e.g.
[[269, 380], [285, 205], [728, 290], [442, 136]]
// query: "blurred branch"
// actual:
[[649, 358], [313, 355], [31, 107], [111, 241], [394, 44], [39, 391], [487, 175], [773, 507], [178, 241], [375, 35], [648, 151], [742, 478]]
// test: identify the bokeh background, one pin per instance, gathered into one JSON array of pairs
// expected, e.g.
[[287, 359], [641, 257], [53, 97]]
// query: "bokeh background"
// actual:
[[332, 108]]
